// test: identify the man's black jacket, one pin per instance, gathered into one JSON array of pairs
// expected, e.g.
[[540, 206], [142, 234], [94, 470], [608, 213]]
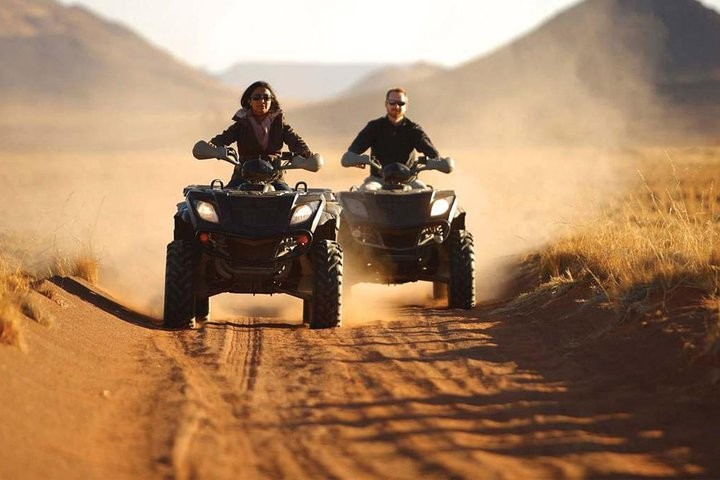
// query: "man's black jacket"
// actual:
[[390, 143]]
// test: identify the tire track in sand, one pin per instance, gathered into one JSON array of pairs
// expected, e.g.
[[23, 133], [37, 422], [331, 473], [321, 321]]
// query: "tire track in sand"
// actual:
[[215, 369]]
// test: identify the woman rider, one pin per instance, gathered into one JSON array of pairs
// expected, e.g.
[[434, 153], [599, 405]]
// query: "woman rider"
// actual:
[[260, 130]]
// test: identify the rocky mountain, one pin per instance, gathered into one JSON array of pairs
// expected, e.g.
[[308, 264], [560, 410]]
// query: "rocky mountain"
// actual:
[[69, 56], [602, 71]]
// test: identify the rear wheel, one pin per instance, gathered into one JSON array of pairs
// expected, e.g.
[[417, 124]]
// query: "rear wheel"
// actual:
[[326, 305], [179, 309], [461, 288]]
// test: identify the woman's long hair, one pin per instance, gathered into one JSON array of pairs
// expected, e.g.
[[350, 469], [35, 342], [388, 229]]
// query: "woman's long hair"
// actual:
[[245, 99]]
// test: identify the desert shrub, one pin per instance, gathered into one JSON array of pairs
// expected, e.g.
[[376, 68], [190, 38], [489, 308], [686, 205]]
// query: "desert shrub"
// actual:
[[14, 288], [665, 235], [18, 258], [85, 265]]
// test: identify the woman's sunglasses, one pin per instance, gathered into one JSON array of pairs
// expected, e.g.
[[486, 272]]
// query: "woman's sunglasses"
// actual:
[[259, 96]]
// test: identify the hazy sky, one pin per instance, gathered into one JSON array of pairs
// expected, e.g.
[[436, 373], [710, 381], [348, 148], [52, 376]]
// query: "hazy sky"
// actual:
[[214, 34]]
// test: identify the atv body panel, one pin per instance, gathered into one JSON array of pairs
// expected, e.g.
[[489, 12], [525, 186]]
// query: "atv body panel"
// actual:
[[254, 248], [391, 236]]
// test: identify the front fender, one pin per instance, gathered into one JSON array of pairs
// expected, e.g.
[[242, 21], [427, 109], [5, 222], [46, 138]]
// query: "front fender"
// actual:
[[328, 226], [458, 221], [329, 222], [184, 212], [184, 229]]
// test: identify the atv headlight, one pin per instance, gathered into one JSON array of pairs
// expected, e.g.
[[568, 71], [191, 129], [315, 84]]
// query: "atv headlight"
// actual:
[[206, 211], [439, 207], [301, 214]]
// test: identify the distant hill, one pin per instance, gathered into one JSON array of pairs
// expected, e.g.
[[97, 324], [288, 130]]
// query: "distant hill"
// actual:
[[69, 56], [300, 81], [385, 78], [602, 71]]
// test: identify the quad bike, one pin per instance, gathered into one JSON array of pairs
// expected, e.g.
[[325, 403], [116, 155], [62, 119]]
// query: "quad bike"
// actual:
[[255, 239], [399, 233]]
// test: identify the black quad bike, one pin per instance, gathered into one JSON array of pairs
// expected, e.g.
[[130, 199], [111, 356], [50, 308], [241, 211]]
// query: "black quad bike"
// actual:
[[255, 238], [403, 232]]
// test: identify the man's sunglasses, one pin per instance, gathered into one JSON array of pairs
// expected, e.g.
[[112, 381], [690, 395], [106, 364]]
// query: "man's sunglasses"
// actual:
[[396, 102], [259, 96]]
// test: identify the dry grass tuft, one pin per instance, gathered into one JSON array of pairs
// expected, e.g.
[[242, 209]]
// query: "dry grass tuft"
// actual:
[[86, 265], [657, 246], [16, 285], [661, 238], [543, 295], [14, 290]]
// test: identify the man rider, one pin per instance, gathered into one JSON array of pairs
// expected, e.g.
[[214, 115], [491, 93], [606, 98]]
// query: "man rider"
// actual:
[[392, 139]]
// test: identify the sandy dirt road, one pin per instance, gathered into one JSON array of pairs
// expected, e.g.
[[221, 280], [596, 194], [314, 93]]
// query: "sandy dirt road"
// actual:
[[104, 393]]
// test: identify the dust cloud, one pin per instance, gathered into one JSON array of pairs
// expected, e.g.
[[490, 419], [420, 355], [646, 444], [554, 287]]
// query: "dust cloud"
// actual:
[[121, 206]]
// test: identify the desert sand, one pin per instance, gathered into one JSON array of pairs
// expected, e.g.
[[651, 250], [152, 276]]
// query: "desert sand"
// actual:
[[431, 393]]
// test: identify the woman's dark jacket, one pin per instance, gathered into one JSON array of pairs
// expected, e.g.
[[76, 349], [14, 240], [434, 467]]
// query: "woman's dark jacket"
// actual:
[[248, 146]]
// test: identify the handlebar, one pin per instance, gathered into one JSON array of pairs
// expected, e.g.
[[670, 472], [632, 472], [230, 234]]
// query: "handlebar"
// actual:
[[442, 164], [204, 151]]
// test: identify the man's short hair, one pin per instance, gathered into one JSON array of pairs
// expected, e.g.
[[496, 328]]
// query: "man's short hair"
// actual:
[[399, 90]]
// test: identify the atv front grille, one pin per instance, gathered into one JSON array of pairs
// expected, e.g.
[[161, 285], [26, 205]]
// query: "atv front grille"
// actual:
[[400, 239], [251, 251], [241, 251], [259, 216]]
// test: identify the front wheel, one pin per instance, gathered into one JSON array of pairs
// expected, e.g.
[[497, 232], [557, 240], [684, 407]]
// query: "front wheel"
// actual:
[[179, 309], [461, 287], [325, 309]]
